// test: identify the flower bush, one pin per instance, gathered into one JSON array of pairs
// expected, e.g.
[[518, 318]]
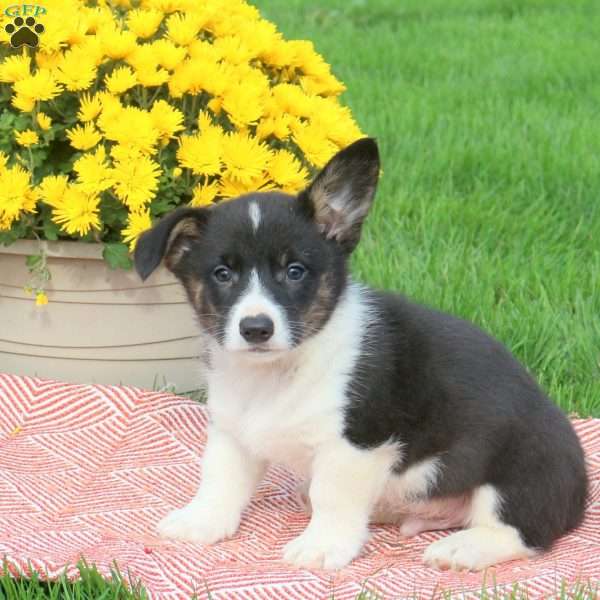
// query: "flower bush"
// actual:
[[126, 110]]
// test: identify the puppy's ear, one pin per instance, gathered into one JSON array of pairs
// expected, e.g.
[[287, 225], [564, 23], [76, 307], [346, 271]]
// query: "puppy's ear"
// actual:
[[170, 239], [341, 195]]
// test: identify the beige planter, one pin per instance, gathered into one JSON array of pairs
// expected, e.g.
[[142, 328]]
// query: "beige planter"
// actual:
[[100, 325]]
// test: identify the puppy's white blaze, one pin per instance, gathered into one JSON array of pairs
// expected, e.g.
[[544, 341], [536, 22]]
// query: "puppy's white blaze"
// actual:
[[488, 541], [254, 213], [255, 300]]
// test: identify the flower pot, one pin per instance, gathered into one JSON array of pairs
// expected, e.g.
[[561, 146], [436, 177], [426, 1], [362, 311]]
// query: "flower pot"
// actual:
[[100, 325]]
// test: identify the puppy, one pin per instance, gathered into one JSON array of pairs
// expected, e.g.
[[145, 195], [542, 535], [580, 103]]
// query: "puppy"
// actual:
[[391, 411]]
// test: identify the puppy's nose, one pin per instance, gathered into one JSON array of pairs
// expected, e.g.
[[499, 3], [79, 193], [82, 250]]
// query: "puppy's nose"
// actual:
[[256, 330]]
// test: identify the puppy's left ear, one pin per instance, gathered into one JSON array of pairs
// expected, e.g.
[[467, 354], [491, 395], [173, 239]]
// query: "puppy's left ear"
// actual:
[[341, 195]]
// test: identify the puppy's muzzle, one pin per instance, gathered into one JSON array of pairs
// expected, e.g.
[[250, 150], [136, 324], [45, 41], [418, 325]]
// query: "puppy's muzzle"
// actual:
[[257, 330]]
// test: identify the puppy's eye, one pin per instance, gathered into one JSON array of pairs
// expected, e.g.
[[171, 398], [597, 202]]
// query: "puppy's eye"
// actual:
[[295, 271], [222, 274]]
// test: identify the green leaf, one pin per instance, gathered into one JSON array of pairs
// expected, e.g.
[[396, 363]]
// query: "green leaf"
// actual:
[[117, 256], [51, 230], [33, 261]]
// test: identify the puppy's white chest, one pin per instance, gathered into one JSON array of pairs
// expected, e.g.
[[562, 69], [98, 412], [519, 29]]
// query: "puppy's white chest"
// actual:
[[277, 413]]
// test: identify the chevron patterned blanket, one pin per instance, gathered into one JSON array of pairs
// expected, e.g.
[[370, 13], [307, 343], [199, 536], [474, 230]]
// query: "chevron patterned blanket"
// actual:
[[88, 470]]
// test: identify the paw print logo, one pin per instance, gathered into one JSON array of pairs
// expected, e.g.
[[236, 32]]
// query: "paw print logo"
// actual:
[[24, 32]]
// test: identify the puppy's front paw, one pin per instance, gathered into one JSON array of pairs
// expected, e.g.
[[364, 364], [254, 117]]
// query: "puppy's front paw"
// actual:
[[321, 550], [196, 523]]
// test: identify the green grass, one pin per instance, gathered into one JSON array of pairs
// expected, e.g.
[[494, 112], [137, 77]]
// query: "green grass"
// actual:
[[92, 586], [488, 117]]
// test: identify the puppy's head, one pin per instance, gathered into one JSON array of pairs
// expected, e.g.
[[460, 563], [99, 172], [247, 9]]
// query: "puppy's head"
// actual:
[[265, 271]]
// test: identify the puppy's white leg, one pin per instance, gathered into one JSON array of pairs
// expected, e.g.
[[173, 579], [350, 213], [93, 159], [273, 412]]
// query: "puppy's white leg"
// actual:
[[229, 477], [487, 542], [345, 484]]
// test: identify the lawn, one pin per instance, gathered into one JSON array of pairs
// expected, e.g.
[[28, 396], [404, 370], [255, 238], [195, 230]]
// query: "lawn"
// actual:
[[488, 117]]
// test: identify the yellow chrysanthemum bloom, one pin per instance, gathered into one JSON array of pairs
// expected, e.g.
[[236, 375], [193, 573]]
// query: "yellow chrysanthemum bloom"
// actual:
[[94, 174], [77, 212], [243, 105], [136, 181], [168, 54], [90, 107], [245, 157], [166, 119], [23, 103], [182, 29], [144, 22], [27, 138], [44, 121], [232, 188], [117, 44], [287, 172], [205, 194], [83, 137], [42, 85], [76, 71], [120, 80], [16, 195], [201, 153], [129, 126], [309, 138], [15, 68], [52, 189], [137, 223], [41, 299]]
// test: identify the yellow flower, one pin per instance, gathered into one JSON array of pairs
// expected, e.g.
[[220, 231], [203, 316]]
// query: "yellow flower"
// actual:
[[315, 147], [166, 119], [201, 152], [177, 171], [245, 158], [182, 28], [278, 127], [117, 44], [137, 223], [90, 107], [205, 194], [136, 181], [129, 126], [77, 212], [23, 103], [149, 77], [27, 138], [41, 299], [16, 195], [52, 189], [144, 23], [44, 121], [291, 99], [233, 50], [77, 71], [41, 86], [243, 105], [120, 80], [94, 174], [15, 68], [3, 160], [286, 171], [84, 138], [232, 188], [168, 54]]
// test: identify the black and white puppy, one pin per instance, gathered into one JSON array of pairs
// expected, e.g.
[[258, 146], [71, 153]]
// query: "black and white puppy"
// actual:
[[391, 411]]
